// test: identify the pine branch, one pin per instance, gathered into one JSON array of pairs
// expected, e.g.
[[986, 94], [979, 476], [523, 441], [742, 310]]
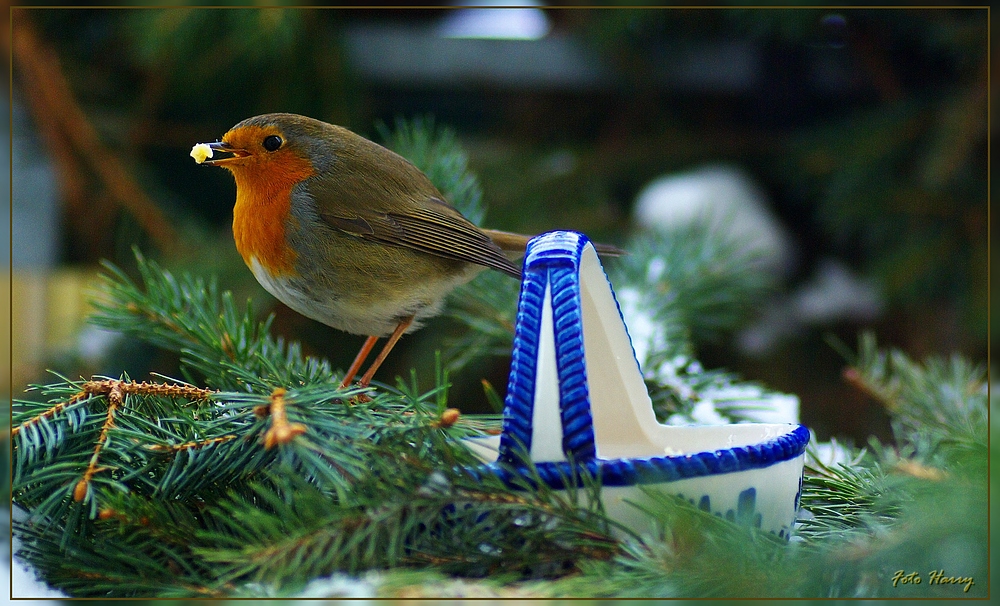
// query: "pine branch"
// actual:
[[118, 564], [189, 315], [881, 512], [942, 400], [695, 278], [158, 456], [452, 522], [845, 498]]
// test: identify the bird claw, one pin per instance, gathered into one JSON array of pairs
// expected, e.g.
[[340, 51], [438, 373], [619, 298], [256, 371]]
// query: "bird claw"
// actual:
[[361, 398], [358, 398]]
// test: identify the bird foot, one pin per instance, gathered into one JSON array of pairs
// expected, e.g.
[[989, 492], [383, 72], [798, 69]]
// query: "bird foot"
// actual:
[[361, 398], [358, 398]]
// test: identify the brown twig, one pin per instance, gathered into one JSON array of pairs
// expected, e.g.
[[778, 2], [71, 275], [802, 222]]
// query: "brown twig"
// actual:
[[48, 413], [281, 431], [188, 392], [192, 444], [64, 125], [115, 399], [853, 377], [105, 387], [921, 471]]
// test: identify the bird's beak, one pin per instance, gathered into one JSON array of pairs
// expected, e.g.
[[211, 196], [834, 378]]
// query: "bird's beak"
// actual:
[[233, 153]]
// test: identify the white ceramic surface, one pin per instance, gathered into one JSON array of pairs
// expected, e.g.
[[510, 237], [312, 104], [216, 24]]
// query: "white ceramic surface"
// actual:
[[576, 389]]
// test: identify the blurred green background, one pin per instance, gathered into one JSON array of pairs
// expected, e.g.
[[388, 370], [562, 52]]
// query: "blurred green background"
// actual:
[[865, 129]]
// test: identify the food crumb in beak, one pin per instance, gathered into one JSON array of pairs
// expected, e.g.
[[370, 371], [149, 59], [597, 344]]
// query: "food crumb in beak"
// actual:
[[200, 152]]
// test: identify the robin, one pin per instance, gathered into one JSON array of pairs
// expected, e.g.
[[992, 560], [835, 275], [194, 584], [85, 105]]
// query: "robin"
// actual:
[[347, 232]]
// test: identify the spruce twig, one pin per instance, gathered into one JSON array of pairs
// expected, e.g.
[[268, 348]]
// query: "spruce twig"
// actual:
[[229, 348]]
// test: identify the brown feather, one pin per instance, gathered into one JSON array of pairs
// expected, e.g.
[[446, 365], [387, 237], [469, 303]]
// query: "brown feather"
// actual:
[[435, 233], [516, 243]]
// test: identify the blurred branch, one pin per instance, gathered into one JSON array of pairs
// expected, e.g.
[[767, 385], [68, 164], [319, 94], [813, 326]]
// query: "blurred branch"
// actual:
[[66, 129]]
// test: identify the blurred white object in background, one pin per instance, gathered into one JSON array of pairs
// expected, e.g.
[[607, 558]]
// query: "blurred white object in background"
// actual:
[[727, 199], [482, 19], [833, 293]]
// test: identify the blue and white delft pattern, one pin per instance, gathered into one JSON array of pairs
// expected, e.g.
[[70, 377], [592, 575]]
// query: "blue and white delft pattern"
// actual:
[[553, 260]]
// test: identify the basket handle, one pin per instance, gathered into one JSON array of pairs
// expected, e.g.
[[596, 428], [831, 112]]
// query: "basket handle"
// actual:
[[575, 388]]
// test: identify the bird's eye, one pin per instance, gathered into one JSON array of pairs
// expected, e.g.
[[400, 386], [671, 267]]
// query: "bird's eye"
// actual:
[[272, 142]]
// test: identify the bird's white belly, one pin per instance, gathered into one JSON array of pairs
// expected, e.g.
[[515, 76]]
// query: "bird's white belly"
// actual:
[[282, 290], [379, 318]]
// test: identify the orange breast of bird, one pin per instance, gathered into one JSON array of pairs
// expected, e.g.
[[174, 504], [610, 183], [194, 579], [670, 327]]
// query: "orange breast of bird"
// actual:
[[262, 210]]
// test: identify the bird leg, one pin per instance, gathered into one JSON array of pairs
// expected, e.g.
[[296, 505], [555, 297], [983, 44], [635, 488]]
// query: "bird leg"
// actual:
[[396, 334], [358, 361]]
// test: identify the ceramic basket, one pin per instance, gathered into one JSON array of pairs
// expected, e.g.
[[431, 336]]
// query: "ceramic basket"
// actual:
[[576, 394]]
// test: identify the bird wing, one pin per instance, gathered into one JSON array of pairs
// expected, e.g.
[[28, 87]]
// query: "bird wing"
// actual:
[[436, 229]]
